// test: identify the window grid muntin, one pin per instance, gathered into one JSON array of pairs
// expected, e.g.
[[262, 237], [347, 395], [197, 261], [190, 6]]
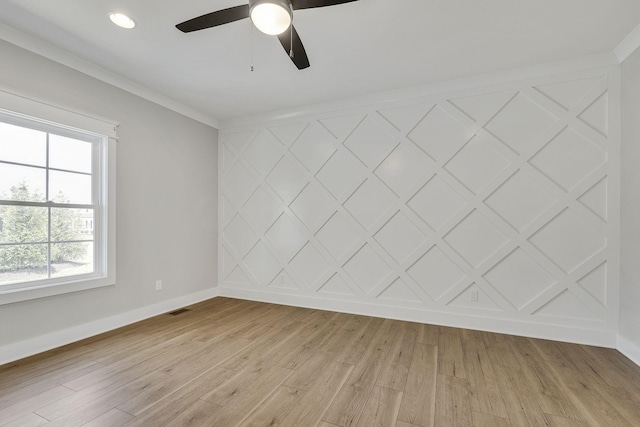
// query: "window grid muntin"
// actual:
[[98, 186]]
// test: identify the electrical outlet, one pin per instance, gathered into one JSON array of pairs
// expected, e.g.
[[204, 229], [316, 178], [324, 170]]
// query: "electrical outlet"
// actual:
[[281, 279], [473, 295], [158, 285]]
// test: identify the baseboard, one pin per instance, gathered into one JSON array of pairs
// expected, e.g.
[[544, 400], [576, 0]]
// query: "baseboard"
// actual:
[[597, 337], [22, 349], [629, 349]]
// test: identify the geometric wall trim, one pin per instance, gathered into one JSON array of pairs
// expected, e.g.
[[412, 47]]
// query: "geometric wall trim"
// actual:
[[492, 202]]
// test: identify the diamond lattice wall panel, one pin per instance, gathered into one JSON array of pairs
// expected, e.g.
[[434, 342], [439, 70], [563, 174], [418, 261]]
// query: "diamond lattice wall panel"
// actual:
[[520, 122], [263, 153], [435, 273], [436, 202], [491, 207], [519, 278], [519, 201], [439, 134], [476, 164], [313, 147], [569, 147]]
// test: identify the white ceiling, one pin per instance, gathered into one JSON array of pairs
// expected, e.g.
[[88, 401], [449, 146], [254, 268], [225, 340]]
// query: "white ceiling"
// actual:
[[355, 49]]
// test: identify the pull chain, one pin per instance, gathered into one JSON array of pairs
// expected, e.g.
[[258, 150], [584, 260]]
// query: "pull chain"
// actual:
[[251, 45], [291, 39]]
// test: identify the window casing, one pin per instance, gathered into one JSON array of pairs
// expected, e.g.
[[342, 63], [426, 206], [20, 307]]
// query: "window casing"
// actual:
[[58, 230]]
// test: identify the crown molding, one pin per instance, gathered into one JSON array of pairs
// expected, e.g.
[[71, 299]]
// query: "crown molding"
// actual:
[[61, 56], [628, 45], [586, 63]]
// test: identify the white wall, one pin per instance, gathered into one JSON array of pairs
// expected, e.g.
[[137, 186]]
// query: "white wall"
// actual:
[[166, 207], [630, 201], [410, 208]]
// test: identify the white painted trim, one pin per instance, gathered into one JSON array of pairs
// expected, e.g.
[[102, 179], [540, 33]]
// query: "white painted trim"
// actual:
[[61, 56], [628, 45], [629, 349], [18, 104], [29, 347], [574, 65], [597, 337]]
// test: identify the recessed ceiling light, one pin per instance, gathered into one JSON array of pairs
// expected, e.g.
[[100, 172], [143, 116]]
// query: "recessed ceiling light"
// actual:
[[122, 20]]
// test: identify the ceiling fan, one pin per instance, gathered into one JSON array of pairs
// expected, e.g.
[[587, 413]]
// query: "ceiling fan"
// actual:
[[273, 17]]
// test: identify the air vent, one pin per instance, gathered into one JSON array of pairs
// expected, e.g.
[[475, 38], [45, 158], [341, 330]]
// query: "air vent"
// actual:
[[178, 311]]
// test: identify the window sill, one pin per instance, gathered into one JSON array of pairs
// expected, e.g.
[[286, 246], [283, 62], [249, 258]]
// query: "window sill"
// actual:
[[29, 293]]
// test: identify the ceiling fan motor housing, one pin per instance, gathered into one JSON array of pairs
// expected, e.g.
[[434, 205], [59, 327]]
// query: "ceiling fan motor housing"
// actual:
[[271, 16], [285, 4]]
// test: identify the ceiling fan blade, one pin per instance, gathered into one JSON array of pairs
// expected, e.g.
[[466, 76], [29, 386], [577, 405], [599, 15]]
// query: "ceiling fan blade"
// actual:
[[214, 19], [308, 4], [299, 57]]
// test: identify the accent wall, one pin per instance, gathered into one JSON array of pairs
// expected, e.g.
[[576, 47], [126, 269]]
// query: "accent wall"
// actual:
[[494, 207]]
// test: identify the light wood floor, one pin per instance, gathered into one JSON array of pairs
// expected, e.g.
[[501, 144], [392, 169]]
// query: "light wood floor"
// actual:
[[230, 362]]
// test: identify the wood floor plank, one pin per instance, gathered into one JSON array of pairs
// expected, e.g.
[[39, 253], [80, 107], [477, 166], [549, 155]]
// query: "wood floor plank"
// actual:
[[315, 401], [419, 398], [450, 345], [304, 377], [452, 402], [36, 368], [349, 404], [520, 397], [361, 341], [395, 368], [135, 389], [113, 418], [621, 400], [33, 403], [265, 324], [46, 382], [596, 410], [196, 414], [557, 421], [87, 407], [297, 353], [173, 406], [615, 368], [499, 349], [428, 334], [267, 347], [29, 420], [247, 383], [272, 411], [348, 328], [242, 394], [183, 372], [485, 420], [485, 393], [381, 409]]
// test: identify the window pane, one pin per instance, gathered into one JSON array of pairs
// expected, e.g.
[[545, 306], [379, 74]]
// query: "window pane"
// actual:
[[70, 154], [68, 259], [22, 183], [23, 224], [21, 263], [71, 224], [22, 145], [67, 187]]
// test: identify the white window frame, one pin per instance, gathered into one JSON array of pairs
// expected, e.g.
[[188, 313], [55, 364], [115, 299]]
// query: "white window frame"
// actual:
[[31, 113]]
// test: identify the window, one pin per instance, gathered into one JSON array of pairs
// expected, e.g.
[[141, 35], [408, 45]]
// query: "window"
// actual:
[[56, 207]]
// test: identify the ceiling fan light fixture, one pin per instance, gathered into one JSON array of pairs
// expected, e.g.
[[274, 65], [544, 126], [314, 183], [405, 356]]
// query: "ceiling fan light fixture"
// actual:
[[122, 20], [272, 17]]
